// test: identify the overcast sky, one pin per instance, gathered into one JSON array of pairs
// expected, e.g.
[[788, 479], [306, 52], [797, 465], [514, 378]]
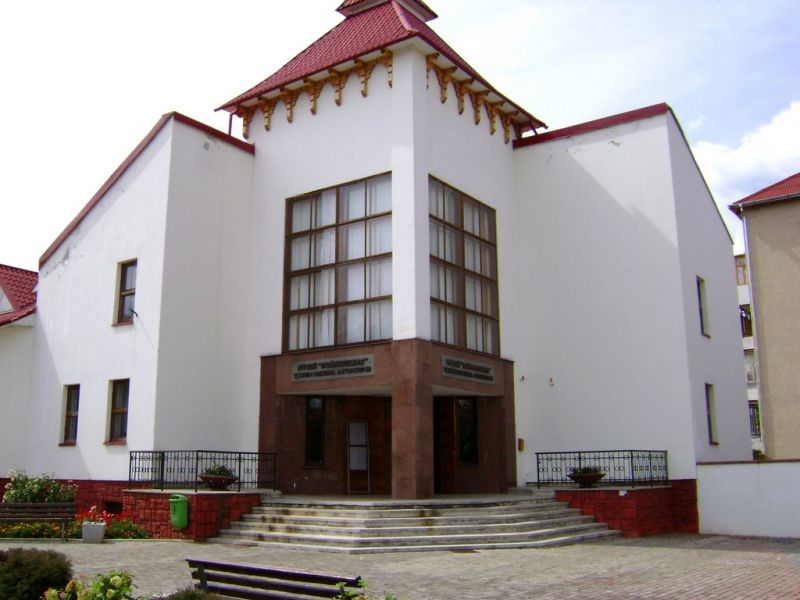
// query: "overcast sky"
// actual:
[[84, 81]]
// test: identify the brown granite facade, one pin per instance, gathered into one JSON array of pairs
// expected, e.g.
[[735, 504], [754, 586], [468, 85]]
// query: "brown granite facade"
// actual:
[[406, 401]]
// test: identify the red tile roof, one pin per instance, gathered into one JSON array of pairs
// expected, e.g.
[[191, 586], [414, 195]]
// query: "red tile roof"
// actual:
[[785, 189], [360, 34], [18, 285], [618, 119], [349, 7], [129, 161]]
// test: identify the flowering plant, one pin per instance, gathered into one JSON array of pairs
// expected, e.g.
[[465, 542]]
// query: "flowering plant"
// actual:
[[219, 471], [116, 585], [95, 516], [22, 488]]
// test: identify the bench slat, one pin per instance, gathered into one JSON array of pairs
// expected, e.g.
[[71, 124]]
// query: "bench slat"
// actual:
[[303, 576], [249, 582], [281, 585]]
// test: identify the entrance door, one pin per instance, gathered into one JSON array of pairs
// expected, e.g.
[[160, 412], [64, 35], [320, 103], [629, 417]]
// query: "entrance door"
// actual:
[[445, 456], [358, 457]]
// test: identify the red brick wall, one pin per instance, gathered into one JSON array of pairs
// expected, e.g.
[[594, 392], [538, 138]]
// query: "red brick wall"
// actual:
[[208, 513], [640, 511]]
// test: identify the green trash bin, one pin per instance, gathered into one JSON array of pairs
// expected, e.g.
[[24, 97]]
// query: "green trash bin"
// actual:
[[179, 511]]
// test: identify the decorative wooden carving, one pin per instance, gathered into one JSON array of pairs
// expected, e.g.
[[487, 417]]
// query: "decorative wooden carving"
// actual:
[[313, 89], [506, 122], [445, 76], [477, 99], [430, 65], [491, 111], [462, 89], [364, 71], [338, 79], [386, 59], [267, 106], [247, 116], [289, 98]]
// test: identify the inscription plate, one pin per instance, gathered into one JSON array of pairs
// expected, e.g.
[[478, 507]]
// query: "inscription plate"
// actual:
[[334, 368], [467, 370]]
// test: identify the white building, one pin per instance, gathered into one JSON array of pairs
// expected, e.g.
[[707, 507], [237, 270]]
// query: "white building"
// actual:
[[393, 285]]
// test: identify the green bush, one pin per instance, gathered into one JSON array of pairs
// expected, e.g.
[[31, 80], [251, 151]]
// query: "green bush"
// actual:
[[32, 530], [192, 594], [26, 574], [22, 488], [121, 528]]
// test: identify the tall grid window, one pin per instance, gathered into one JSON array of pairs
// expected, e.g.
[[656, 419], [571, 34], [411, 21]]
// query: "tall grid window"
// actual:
[[741, 270], [464, 307], [120, 391], [71, 399], [127, 292], [338, 287]]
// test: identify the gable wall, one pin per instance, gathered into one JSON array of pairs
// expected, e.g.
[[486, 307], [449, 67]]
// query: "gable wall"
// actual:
[[16, 356]]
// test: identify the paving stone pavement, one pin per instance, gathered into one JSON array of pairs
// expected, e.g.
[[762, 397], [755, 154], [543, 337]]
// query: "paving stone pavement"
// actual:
[[663, 567]]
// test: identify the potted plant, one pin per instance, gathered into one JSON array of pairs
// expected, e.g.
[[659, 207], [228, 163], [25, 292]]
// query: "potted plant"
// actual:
[[93, 526], [218, 477], [586, 477]]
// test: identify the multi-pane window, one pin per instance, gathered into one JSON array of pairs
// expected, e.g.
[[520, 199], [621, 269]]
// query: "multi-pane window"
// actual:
[[127, 292], [120, 390], [746, 320], [339, 266], [464, 308], [750, 366], [71, 399], [315, 432]]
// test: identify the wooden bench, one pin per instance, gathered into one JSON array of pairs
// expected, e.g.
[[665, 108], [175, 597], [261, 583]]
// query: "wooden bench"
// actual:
[[39, 512], [256, 583]]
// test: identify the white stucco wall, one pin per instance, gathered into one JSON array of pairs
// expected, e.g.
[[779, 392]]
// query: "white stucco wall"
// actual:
[[16, 357], [203, 313], [716, 358], [597, 323], [76, 341], [756, 498]]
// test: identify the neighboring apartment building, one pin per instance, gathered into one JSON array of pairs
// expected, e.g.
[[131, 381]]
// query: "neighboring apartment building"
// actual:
[[393, 285], [748, 346], [770, 217]]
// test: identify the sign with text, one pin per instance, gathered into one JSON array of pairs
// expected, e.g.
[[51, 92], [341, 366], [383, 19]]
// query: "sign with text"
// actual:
[[468, 370], [333, 368]]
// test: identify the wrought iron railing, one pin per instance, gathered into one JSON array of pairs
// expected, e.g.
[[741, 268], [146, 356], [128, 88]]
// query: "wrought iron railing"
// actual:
[[181, 469], [621, 467]]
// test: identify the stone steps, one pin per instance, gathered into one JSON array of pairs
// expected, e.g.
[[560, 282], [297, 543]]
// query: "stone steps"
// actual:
[[360, 526]]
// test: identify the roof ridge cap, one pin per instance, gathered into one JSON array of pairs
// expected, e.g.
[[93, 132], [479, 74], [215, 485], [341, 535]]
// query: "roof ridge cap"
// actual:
[[399, 10]]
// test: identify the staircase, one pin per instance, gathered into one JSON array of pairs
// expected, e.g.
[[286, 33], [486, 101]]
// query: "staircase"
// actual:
[[533, 520]]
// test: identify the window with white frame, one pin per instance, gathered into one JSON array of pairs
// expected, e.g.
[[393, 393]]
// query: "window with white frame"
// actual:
[[338, 283]]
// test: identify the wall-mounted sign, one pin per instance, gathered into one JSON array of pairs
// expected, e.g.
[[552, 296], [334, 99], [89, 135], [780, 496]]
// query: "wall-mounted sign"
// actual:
[[466, 369], [333, 368]]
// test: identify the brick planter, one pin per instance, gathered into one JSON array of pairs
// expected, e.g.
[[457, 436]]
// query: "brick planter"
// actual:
[[639, 511], [209, 512]]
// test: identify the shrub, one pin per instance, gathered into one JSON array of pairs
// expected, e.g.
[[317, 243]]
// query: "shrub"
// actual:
[[122, 528], [218, 470], [22, 488], [25, 574], [33, 530]]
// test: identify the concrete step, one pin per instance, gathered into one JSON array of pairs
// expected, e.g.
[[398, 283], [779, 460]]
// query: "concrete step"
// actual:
[[543, 540], [390, 530], [386, 525], [556, 511]]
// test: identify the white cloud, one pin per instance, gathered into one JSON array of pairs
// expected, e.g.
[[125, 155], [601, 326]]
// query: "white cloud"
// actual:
[[696, 124], [767, 154]]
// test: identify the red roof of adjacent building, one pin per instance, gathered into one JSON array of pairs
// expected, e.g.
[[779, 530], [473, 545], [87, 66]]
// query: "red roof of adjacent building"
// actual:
[[783, 190], [130, 160], [618, 119], [360, 34], [19, 287]]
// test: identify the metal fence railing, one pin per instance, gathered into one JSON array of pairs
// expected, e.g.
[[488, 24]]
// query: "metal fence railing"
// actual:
[[621, 467], [181, 469]]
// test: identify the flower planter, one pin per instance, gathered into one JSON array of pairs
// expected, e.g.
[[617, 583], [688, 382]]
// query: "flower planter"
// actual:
[[93, 533], [218, 482], [586, 480]]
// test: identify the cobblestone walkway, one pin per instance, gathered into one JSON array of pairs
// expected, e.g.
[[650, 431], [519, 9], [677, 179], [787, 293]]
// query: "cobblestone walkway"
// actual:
[[666, 567]]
